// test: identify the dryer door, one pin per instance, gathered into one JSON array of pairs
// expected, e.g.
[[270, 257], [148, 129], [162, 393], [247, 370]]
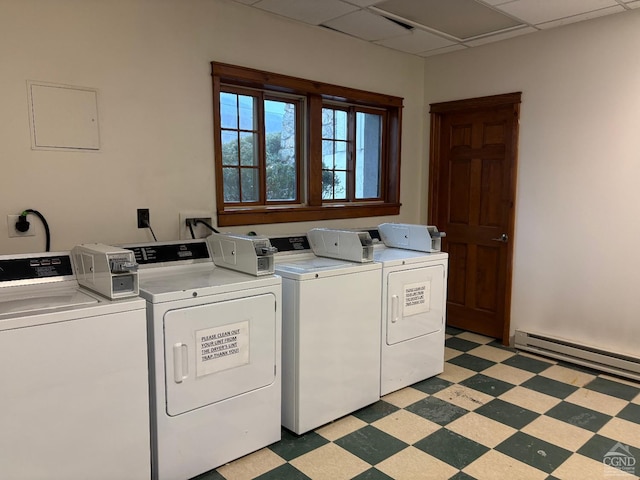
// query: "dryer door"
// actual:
[[219, 350], [415, 303]]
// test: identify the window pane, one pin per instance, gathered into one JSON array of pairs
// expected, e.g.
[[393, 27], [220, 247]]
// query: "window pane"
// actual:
[[340, 185], [248, 149], [327, 123], [228, 110], [340, 125], [368, 155], [327, 184], [231, 184], [229, 148], [280, 149], [247, 112], [250, 185], [340, 158]]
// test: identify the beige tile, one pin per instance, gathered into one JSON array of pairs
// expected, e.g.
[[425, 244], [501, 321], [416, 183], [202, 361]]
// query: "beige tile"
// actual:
[[622, 431], [597, 401], [251, 466], [558, 433], [494, 465], [474, 337], [577, 467], [330, 462], [508, 374], [530, 399], [406, 426], [568, 375], [340, 428], [463, 397], [455, 374], [405, 397], [414, 464], [481, 429], [450, 353], [636, 400], [491, 353]]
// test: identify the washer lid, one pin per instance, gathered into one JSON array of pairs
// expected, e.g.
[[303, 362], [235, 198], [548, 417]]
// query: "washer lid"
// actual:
[[53, 300], [317, 267]]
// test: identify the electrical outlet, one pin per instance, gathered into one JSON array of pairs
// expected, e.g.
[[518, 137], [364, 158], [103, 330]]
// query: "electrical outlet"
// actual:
[[143, 218], [11, 228], [200, 231]]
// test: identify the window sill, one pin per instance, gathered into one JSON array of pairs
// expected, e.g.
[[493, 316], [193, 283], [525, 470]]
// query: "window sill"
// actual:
[[264, 215]]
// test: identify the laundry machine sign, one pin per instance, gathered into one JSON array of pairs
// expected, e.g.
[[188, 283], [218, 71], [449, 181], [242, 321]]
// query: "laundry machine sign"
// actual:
[[417, 298], [222, 348], [415, 305]]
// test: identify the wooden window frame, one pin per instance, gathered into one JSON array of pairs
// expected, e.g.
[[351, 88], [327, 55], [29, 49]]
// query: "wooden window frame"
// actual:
[[310, 206]]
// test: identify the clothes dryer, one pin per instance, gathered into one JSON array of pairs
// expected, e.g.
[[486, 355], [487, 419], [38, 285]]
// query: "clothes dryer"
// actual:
[[214, 356], [413, 314], [73, 364], [331, 335]]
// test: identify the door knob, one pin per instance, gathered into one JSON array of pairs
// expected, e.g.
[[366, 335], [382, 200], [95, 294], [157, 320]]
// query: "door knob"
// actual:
[[504, 238]]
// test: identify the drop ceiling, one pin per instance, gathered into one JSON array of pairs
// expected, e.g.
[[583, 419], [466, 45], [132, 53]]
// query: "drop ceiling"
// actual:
[[432, 27]]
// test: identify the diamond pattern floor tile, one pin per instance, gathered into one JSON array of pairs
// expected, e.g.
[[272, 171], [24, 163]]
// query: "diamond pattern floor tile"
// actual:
[[494, 413]]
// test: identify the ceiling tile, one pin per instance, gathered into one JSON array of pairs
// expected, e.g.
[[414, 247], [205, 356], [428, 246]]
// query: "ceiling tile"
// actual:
[[248, 2], [635, 4], [459, 18], [540, 11], [440, 51], [363, 3], [584, 16], [366, 25], [416, 41], [310, 11], [501, 36]]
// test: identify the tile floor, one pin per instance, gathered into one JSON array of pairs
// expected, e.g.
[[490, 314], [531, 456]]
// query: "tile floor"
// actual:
[[493, 414]]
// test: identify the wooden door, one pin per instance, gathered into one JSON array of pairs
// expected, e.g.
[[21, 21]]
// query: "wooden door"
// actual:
[[472, 185]]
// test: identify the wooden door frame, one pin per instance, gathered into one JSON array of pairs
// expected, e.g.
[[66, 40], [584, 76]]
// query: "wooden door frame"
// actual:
[[437, 110]]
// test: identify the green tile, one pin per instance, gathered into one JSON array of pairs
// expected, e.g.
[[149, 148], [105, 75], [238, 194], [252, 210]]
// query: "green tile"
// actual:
[[283, 472], [460, 344], [436, 410], [533, 451], [462, 476], [527, 363], [432, 385], [615, 389], [507, 413], [598, 446], [488, 385], [210, 475], [472, 362], [579, 368], [631, 412], [375, 411], [579, 416], [373, 474], [498, 344], [550, 387], [292, 446], [371, 445], [453, 330], [451, 448]]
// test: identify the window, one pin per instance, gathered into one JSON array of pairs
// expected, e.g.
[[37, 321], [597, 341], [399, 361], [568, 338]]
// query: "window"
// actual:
[[289, 149]]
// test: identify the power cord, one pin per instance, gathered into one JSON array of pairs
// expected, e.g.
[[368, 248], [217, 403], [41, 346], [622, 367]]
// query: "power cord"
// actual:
[[148, 225], [190, 225], [196, 222], [22, 225]]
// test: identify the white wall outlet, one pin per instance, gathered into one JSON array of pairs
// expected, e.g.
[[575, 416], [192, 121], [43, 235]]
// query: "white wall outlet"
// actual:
[[11, 227], [200, 231]]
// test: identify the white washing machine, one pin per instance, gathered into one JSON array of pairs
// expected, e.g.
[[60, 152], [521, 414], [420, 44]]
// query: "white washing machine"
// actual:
[[214, 346], [330, 335], [413, 314], [73, 364]]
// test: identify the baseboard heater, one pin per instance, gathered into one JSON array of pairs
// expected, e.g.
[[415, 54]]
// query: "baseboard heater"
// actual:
[[588, 356]]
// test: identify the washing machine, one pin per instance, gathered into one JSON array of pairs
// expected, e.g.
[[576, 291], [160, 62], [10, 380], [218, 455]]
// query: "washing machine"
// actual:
[[214, 356], [413, 304], [330, 334], [73, 364]]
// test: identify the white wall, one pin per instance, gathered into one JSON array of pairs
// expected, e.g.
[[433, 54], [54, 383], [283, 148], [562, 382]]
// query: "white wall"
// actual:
[[577, 235], [150, 61]]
